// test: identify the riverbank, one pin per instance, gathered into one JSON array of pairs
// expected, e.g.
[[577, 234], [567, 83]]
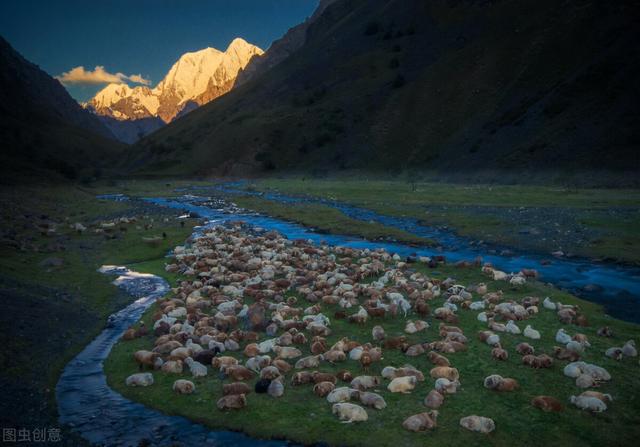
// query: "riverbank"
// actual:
[[54, 300], [517, 422]]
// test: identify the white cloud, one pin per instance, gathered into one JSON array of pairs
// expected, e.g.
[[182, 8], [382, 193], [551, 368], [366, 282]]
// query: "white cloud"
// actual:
[[99, 75]]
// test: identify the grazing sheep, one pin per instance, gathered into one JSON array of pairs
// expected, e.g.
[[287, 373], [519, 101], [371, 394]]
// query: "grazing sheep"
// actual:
[[434, 400], [444, 372], [629, 349], [511, 328], [146, 358], [262, 386], [531, 333], [235, 388], [172, 367], [547, 403], [565, 354], [589, 403], [270, 373], [478, 424], [548, 304], [482, 317], [222, 363], [182, 386], [301, 378], [562, 337], [421, 421], [540, 361], [282, 365], [333, 356], [238, 373], [614, 353], [438, 359], [585, 381], [402, 384], [415, 350], [445, 386], [287, 352], [363, 383], [341, 394], [524, 349], [322, 389], [197, 369], [499, 383], [378, 333], [139, 379], [205, 356], [323, 377], [276, 388], [605, 332], [498, 353], [344, 376], [232, 402], [312, 361], [372, 400], [575, 347], [606, 398], [348, 413]]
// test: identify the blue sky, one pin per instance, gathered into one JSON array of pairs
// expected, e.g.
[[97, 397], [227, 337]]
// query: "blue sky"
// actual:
[[138, 36]]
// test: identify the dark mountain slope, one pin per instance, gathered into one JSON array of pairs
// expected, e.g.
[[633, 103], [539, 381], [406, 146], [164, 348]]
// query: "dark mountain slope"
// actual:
[[44, 132], [464, 87]]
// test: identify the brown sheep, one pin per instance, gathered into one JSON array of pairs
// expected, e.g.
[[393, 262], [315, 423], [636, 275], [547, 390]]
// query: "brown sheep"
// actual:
[[344, 376], [146, 358], [322, 389], [239, 373], [301, 378], [232, 401], [547, 403], [235, 388], [323, 377], [445, 372], [282, 365], [421, 422], [524, 349], [565, 354], [434, 400], [499, 354], [438, 359]]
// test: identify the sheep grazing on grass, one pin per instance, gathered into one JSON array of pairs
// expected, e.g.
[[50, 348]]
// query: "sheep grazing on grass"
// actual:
[[322, 389], [222, 363], [445, 386], [421, 421], [629, 349], [378, 333], [269, 373], [334, 356], [434, 400], [531, 333], [548, 304], [547, 403], [301, 378], [605, 332], [372, 400], [562, 337], [588, 403], [363, 383], [606, 398], [512, 328], [312, 361], [402, 384], [197, 369], [182, 386], [262, 386], [139, 379], [232, 402], [235, 388], [444, 372], [524, 349], [438, 359], [565, 354], [348, 413], [614, 353], [539, 361], [498, 353], [238, 373], [344, 376], [499, 383], [172, 367], [342, 394], [276, 388], [478, 424], [146, 358]]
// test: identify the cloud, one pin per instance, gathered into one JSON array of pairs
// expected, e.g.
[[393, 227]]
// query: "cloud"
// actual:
[[99, 75]]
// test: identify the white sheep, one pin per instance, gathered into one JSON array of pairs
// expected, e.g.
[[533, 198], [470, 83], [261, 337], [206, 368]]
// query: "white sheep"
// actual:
[[197, 368], [629, 349], [348, 413], [477, 305], [548, 304], [482, 317], [139, 379], [562, 336], [588, 403], [529, 332], [512, 328]]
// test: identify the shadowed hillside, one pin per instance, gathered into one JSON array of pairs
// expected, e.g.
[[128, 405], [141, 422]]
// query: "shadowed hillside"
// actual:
[[44, 132], [462, 87]]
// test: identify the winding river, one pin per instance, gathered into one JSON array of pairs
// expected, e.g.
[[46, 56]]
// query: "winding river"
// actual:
[[104, 417]]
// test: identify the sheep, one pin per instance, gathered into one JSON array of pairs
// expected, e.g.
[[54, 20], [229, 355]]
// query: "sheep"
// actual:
[[421, 421], [512, 328], [276, 388], [402, 384], [548, 304], [499, 383], [301, 378], [341, 394], [362, 383], [349, 413], [482, 317], [605, 331], [614, 353], [565, 354], [232, 401], [262, 386], [222, 363], [312, 361], [524, 349], [498, 353], [235, 388], [182, 386], [575, 347], [629, 349], [333, 356], [444, 372], [378, 333], [562, 337], [479, 424], [372, 400], [415, 350], [589, 403], [287, 352], [547, 403], [606, 398], [322, 389], [197, 368], [146, 358], [205, 356], [585, 381], [238, 373], [172, 367], [540, 361], [531, 333], [344, 376], [139, 379], [269, 373], [434, 400], [438, 359], [445, 386]]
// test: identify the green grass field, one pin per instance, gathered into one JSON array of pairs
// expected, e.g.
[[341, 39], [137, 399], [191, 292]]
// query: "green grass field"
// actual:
[[303, 417]]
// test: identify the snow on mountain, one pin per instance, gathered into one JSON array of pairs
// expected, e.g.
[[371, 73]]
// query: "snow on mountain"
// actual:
[[195, 79]]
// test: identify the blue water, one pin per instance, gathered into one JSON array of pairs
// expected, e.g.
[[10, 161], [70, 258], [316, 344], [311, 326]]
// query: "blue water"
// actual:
[[619, 285]]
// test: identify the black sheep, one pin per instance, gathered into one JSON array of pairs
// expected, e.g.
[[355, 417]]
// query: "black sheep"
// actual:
[[262, 385]]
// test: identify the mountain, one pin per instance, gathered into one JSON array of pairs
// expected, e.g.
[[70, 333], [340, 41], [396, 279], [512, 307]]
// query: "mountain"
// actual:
[[44, 132], [461, 87], [195, 79]]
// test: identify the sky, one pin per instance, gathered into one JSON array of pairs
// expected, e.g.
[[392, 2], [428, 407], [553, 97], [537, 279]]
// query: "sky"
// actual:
[[136, 41]]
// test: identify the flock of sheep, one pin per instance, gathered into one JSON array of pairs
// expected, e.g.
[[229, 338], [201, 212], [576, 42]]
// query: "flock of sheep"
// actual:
[[244, 295]]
